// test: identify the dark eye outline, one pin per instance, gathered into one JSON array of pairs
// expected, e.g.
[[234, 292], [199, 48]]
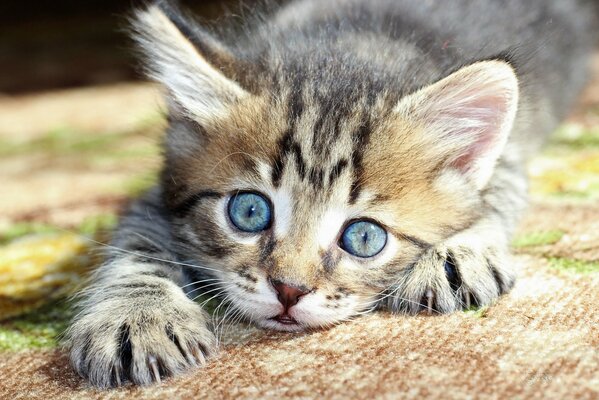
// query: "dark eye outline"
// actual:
[[354, 221], [255, 193]]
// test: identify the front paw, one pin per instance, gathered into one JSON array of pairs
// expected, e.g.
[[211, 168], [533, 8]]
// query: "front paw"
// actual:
[[457, 275], [138, 332]]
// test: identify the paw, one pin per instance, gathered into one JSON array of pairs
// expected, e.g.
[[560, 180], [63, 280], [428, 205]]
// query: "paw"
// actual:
[[463, 272], [138, 332]]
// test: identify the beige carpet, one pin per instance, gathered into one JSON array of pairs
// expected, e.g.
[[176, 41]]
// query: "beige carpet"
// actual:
[[541, 342]]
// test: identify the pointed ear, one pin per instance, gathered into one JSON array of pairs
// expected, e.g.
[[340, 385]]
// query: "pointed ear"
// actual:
[[467, 117], [188, 61]]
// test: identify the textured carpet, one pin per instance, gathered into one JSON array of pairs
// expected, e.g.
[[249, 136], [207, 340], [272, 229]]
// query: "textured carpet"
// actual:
[[540, 341]]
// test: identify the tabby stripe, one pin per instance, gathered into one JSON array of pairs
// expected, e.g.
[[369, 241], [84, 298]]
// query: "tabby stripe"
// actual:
[[295, 109], [329, 261], [244, 273], [267, 246], [361, 139], [156, 274], [299, 160], [452, 273], [182, 209], [337, 170], [144, 248], [415, 241], [125, 350], [498, 280], [218, 246], [285, 144], [316, 177], [138, 285], [422, 244]]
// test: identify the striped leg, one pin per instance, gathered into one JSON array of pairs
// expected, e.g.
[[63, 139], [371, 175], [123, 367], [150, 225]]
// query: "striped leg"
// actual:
[[473, 267], [135, 322]]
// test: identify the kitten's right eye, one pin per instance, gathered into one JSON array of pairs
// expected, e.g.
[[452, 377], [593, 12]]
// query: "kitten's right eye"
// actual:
[[250, 212]]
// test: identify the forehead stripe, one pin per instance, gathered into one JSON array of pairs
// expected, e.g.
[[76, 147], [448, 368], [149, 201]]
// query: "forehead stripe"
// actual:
[[361, 138], [337, 170], [285, 144]]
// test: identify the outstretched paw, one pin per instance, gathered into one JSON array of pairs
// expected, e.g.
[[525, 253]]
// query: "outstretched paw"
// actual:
[[140, 336], [453, 277]]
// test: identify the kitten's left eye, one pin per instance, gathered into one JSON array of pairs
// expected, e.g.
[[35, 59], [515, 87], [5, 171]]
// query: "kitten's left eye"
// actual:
[[250, 212], [364, 239]]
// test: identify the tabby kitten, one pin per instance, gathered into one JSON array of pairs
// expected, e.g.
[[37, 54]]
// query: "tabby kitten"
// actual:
[[337, 157]]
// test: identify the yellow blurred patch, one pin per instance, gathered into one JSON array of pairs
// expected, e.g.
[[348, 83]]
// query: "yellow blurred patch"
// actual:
[[39, 268], [572, 174]]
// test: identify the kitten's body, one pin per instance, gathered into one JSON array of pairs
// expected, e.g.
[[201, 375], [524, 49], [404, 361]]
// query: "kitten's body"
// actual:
[[335, 111]]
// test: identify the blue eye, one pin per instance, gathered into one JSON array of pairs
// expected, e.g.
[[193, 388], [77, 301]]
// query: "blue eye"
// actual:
[[250, 212], [364, 239]]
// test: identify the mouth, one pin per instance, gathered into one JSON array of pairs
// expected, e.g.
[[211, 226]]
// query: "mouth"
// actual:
[[284, 319]]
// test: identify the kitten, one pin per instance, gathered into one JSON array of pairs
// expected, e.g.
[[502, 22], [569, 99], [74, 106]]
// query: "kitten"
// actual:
[[338, 157]]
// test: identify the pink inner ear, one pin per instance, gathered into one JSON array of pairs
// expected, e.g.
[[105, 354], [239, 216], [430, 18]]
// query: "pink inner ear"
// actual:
[[467, 116], [472, 119]]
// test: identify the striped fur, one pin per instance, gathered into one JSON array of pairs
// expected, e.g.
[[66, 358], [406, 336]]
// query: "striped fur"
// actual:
[[335, 111]]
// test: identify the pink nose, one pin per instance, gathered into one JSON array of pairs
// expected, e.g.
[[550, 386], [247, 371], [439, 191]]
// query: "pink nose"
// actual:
[[288, 295]]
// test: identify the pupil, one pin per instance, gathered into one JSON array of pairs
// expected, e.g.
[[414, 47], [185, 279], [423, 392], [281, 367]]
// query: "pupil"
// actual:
[[365, 237], [251, 211]]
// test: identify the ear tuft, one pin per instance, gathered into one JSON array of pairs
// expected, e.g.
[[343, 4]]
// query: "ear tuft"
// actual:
[[198, 87], [467, 116]]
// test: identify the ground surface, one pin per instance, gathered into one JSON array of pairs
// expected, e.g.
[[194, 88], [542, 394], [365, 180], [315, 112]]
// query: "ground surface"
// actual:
[[69, 160]]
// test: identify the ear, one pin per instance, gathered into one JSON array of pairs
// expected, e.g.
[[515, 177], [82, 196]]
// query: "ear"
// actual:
[[188, 61], [467, 117]]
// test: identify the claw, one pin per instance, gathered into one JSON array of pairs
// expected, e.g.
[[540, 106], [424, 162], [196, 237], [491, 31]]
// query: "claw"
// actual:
[[188, 356], [191, 360], [429, 301], [199, 355], [154, 365], [467, 296]]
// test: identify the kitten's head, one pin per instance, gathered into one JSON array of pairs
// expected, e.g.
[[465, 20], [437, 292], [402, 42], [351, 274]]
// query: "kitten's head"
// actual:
[[308, 192]]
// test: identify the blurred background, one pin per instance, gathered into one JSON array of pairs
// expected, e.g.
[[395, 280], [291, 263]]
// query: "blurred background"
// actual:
[[79, 135], [76, 118], [67, 43]]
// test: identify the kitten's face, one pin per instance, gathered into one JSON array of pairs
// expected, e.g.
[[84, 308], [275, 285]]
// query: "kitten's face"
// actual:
[[307, 190], [272, 201]]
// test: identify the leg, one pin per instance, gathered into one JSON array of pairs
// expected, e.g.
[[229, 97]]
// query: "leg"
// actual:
[[135, 321], [473, 266]]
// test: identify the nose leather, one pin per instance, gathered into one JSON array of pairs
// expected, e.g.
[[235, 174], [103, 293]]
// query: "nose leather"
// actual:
[[288, 295]]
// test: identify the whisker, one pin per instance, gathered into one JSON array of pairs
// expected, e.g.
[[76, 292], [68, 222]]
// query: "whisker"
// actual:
[[118, 249], [215, 315], [221, 322], [203, 287], [224, 288], [201, 281], [237, 316]]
